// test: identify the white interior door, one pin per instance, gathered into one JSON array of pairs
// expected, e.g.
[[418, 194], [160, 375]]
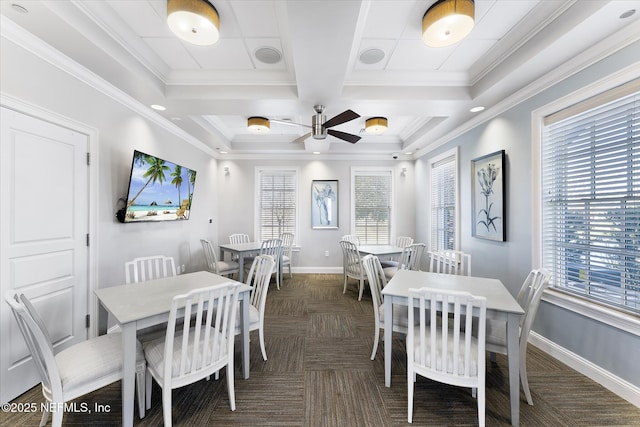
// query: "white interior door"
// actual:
[[44, 211]]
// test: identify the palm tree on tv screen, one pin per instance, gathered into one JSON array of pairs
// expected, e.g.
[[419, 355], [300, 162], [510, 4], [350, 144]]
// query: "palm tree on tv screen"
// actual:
[[155, 173], [191, 181], [177, 180]]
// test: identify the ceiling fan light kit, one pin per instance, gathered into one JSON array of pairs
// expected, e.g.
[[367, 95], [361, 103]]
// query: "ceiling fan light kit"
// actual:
[[258, 124], [194, 21], [376, 125], [447, 22]]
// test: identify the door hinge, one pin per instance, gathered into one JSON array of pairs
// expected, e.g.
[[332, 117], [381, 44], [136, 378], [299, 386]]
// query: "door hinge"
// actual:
[[88, 159], [87, 239], [88, 321]]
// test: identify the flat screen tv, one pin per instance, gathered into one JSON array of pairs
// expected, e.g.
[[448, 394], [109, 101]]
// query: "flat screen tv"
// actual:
[[158, 190]]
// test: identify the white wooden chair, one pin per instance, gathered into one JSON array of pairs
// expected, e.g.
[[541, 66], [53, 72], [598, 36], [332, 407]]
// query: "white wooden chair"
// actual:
[[223, 268], [239, 238], [76, 370], [146, 268], [529, 299], [447, 343], [377, 281], [351, 238], [450, 262], [149, 268], [273, 247], [259, 277], [352, 265], [401, 242], [188, 354], [287, 250], [409, 260]]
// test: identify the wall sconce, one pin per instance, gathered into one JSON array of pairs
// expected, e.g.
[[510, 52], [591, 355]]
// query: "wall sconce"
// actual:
[[226, 171], [403, 172]]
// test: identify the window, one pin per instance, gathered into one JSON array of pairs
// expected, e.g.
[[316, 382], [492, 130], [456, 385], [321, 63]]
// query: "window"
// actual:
[[371, 199], [443, 201], [590, 198], [277, 207]]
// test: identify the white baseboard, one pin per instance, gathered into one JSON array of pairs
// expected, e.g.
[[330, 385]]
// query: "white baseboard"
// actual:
[[617, 385], [317, 270]]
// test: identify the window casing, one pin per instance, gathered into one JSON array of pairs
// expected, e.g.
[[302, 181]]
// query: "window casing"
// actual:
[[590, 199], [443, 201], [277, 204], [371, 204]]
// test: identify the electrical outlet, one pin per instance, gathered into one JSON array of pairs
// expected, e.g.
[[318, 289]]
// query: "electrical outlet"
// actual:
[[326, 253]]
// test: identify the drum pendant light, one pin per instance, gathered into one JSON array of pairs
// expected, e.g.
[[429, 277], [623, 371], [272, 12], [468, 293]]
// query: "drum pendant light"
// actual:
[[194, 21], [447, 22]]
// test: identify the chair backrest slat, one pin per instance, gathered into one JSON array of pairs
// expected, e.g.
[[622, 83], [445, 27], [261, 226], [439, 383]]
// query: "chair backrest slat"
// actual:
[[287, 244], [377, 280], [455, 327], [259, 278], [209, 256], [403, 241], [149, 268], [205, 345], [38, 342], [239, 238], [352, 259], [411, 256], [450, 262]]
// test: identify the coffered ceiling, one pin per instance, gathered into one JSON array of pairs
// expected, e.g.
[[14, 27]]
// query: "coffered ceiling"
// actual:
[[279, 58]]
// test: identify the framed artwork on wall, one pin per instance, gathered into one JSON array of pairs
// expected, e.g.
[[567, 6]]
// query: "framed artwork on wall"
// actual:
[[324, 204], [488, 197]]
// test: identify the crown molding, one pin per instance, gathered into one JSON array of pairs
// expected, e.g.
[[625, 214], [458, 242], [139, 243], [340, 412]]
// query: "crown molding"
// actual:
[[10, 31], [607, 47]]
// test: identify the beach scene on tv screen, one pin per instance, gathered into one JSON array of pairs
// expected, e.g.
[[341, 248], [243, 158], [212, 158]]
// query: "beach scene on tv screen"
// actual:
[[158, 190]]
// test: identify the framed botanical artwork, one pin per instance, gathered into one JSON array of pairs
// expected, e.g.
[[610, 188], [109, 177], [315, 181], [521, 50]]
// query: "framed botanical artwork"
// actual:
[[324, 204], [488, 197]]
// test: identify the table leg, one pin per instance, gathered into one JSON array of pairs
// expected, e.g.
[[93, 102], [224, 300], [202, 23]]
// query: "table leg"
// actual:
[[244, 327], [241, 263], [128, 372], [388, 344], [513, 354]]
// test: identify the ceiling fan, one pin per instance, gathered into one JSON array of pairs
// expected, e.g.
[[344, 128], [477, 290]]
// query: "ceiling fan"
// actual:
[[320, 128]]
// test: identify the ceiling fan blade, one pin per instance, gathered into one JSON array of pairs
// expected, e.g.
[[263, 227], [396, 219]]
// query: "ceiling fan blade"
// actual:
[[301, 138], [343, 117], [286, 122], [343, 135]]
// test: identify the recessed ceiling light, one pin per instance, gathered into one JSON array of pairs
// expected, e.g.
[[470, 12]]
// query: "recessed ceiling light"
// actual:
[[409, 153], [628, 13], [158, 107], [316, 152], [476, 109], [223, 152]]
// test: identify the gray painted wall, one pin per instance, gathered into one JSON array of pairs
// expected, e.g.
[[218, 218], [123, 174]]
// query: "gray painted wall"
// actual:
[[614, 350], [236, 199]]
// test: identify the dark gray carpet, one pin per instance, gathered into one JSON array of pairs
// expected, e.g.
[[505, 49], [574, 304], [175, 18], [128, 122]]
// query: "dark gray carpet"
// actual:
[[319, 374]]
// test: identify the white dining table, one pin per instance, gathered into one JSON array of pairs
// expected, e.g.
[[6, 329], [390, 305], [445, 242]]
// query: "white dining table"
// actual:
[[140, 305], [381, 251], [243, 250], [501, 305]]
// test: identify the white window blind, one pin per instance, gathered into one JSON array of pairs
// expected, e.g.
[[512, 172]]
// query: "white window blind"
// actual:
[[278, 203], [591, 201], [443, 204], [372, 194]]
